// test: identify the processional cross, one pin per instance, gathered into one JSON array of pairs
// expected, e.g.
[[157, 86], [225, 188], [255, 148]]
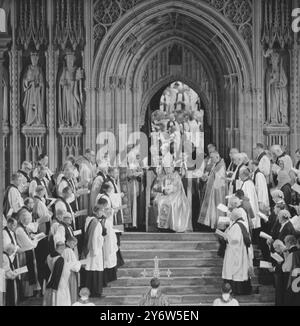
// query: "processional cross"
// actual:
[[156, 272]]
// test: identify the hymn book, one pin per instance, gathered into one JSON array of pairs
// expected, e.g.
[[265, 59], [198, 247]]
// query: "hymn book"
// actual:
[[78, 232], [266, 265], [223, 208], [40, 237], [266, 236], [224, 219], [277, 257], [296, 188], [263, 217], [21, 270]]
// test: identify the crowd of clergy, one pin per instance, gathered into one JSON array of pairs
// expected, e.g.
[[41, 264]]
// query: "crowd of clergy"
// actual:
[[254, 207], [61, 231]]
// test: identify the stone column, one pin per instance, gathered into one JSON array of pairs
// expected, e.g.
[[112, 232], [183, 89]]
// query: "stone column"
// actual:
[[51, 73], [4, 39], [258, 87], [91, 109]]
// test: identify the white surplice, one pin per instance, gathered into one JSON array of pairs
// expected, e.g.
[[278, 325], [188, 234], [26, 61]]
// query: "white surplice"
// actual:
[[249, 190], [95, 263], [62, 296], [262, 189], [236, 261], [110, 245]]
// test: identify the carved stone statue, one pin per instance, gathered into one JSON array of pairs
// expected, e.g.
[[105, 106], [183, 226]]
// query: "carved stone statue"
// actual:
[[71, 94], [34, 93], [276, 90]]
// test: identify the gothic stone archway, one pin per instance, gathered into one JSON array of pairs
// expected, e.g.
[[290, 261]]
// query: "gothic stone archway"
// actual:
[[134, 60]]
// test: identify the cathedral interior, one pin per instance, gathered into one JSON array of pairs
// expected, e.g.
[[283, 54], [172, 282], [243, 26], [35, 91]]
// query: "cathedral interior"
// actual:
[[241, 57], [72, 69]]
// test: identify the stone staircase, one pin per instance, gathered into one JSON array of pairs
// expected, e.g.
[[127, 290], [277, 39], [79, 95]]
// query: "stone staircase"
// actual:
[[194, 265], [196, 271]]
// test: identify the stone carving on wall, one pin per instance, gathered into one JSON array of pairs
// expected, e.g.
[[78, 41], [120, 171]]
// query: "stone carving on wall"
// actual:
[[106, 13], [69, 24], [33, 90], [277, 24], [276, 90], [240, 13], [32, 30], [71, 93]]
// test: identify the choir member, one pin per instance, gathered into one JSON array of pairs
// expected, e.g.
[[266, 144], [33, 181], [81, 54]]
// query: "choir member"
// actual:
[[64, 231], [43, 161], [214, 194], [234, 181], [260, 186], [29, 204], [110, 245], [9, 237], [40, 179], [93, 252], [13, 201], [27, 256], [249, 190], [63, 204], [226, 300], [11, 297], [68, 180], [58, 289], [232, 166], [26, 171], [70, 257], [238, 259], [284, 182], [84, 299], [87, 169], [264, 163], [154, 297], [98, 182], [42, 216], [290, 265]]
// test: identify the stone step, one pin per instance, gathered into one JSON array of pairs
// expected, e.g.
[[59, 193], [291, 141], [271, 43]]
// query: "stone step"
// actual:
[[170, 245], [165, 254], [171, 263], [174, 290], [204, 299], [168, 237], [178, 281], [113, 301], [178, 271]]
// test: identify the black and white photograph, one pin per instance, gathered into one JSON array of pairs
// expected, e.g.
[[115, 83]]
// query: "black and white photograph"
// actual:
[[149, 155]]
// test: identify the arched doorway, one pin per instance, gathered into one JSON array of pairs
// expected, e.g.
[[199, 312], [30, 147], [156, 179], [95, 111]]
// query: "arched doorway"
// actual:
[[168, 100], [159, 43]]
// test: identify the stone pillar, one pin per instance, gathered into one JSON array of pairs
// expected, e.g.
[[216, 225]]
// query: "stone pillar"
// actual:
[[51, 73], [258, 96], [91, 108], [4, 39]]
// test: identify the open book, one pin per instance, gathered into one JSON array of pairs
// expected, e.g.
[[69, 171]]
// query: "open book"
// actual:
[[21, 270], [265, 265], [223, 208], [266, 236], [296, 188]]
